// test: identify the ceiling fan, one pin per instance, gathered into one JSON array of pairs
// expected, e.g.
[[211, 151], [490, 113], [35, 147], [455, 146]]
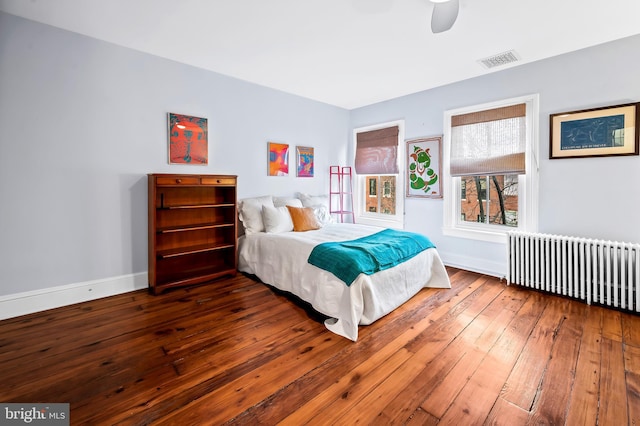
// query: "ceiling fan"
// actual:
[[444, 14]]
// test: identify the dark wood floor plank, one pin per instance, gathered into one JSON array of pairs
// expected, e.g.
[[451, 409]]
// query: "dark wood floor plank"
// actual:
[[613, 387], [237, 352], [401, 406], [105, 357], [631, 330], [583, 403], [522, 384], [504, 413], [456, 316], [552, 401], [349, 390], [473, 343], [189, 385], [632, 368], [229, 400], [369, 410], [611, 324], [474, 402], [106, 323], [408, 325], [147, 338], [398, 407], [352, 402], [418, 418]]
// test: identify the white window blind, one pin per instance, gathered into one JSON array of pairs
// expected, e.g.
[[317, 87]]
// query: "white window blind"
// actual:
[[376, 151], [489, 142]]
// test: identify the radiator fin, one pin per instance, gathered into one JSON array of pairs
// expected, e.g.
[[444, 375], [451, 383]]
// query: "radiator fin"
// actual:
[[591, 270]]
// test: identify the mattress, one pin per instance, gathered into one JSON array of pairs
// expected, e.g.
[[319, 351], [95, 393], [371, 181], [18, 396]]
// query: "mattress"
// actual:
[[281, 260]]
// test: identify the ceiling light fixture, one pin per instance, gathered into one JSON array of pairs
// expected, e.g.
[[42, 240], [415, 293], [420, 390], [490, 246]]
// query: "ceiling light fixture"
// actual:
[[445, 13]]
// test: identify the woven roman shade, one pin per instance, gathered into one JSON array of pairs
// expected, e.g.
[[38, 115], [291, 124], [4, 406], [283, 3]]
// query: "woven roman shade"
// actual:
[[489, 142], [376, 151]]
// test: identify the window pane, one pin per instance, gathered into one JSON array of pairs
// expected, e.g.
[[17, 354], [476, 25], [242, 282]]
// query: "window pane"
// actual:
[[388, 200], [380, 195], [504, 200], [473, 207], [498, 206], [371, 195]]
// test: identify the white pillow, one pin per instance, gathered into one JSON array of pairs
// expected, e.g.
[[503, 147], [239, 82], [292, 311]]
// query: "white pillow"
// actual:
[[287, 201], [250, 213], [320, 205], [322, 214], [276, 219], [313, 200]]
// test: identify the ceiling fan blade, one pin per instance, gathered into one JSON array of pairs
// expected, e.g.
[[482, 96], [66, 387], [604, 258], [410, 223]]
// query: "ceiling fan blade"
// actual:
[[444, 15]]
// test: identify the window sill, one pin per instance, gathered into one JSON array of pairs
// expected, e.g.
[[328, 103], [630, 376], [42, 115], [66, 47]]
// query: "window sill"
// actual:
[[384, 223], [489, 235]]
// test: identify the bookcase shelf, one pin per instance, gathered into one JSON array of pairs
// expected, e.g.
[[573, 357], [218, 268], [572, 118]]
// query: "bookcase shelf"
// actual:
[[192, 229]]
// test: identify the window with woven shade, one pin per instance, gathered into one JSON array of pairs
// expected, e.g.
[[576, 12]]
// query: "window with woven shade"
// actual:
[[489, 142], [379, 175], [491, 151], [376, 151]]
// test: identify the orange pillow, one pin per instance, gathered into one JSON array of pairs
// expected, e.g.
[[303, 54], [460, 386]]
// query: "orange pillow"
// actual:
[[303, 219]]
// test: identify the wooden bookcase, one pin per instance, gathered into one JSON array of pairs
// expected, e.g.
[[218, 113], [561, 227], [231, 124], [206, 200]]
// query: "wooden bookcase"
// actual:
[[192, 229]]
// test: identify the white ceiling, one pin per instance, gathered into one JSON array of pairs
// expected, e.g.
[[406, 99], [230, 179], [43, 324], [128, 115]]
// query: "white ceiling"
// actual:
[[348, 53]]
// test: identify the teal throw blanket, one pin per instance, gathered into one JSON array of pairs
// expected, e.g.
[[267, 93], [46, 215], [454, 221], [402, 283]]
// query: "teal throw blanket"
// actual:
[[368, 255]]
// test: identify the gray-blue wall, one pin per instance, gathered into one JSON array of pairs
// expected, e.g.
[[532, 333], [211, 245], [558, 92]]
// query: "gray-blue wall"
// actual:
[[83, 121], [589, 197]]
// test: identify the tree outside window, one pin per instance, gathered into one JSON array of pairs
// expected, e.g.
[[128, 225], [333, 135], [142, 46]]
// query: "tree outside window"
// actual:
[[497, 206]]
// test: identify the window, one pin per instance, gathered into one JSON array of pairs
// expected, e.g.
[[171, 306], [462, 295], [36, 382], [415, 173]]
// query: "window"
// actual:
[[490, 155], [384, 202], [379, 175], [493, 206]]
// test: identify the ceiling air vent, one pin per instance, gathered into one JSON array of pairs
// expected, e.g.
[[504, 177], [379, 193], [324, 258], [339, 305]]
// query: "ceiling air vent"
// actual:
[[500, 59]]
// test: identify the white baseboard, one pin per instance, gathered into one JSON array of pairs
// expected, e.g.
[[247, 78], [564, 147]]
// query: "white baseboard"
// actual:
[[473, 264], [14, 305]]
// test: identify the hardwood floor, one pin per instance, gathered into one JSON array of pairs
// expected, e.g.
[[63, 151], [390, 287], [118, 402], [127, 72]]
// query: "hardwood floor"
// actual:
[[237, 352]]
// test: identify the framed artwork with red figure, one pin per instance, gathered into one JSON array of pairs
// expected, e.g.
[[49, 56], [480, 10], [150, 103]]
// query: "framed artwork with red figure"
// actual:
[[188, 139]]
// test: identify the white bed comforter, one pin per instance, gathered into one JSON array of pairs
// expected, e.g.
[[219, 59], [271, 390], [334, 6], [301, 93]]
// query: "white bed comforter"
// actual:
[[280, 260]]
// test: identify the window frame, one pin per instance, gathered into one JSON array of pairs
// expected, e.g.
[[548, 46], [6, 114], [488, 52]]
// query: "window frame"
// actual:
[[360, 183], [527, 183]]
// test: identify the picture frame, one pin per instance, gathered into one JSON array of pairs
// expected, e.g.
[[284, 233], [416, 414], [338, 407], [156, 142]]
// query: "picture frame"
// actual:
[[305, 161], [278, 159], [596, 132], [424, 165], [188, 139]]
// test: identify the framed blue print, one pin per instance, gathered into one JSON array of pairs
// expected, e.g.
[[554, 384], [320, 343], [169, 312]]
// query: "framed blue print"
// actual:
[[595, 132]]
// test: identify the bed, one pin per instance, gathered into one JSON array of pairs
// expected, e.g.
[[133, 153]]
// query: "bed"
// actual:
[[279, 256]]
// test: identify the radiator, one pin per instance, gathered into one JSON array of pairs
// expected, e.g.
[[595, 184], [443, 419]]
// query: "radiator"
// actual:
[[594, 271]]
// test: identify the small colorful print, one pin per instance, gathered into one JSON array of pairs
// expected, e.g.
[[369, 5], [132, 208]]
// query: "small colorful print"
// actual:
[[305, 161], [278, 159]]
